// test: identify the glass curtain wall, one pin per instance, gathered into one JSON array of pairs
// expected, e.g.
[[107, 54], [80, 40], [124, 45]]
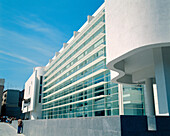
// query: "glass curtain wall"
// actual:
[[133, 99], [78, 83]]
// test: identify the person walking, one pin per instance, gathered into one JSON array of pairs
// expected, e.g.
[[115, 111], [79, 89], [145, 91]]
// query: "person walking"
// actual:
[[19, 126]]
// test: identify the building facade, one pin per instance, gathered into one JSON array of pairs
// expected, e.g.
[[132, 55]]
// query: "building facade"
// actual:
[[11, 106], [77, 82], [2, 81], [31, 105]]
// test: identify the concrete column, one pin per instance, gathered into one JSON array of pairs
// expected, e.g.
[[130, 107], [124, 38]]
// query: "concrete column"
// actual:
[[162, 75], [149, 105], [121, 106], [93, 102], [149, 98], [83, 105], [105, 101], [156, 99]]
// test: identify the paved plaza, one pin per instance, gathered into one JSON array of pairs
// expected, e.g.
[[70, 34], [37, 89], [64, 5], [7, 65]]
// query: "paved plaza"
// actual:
[[7, 130]]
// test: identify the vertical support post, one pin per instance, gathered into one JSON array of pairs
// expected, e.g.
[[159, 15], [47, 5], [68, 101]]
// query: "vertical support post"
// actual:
[[93, 102], [121, 106], [83, 105], [105, 100], [156, 99], [162, 74], [149, 98], [149, 104]]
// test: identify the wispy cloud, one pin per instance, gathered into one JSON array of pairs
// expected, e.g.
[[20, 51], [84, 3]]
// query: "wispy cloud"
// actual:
[[26, 40], [20, 40], [19, 57], [35, 24], [36, 35], [36, 40], [5, 59]]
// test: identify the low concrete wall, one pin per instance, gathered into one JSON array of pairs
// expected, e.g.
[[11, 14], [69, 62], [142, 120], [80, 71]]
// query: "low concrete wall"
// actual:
[[97, 126]]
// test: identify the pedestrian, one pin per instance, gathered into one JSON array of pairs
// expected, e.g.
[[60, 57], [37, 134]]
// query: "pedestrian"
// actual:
[[10, 121], [19, 126]]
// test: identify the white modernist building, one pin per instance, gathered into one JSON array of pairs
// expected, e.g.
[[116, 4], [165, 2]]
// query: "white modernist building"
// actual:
[[31, 104], [138, 48], [77, 82]]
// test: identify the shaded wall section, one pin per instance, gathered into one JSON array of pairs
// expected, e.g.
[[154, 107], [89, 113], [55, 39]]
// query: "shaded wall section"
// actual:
[[137, 126]]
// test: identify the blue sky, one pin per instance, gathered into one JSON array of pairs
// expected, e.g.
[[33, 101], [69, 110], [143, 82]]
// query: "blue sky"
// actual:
[[31, 31]]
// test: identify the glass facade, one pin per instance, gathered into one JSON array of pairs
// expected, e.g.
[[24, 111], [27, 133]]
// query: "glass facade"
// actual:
[[40, 92], [77, 83], [133, 100]]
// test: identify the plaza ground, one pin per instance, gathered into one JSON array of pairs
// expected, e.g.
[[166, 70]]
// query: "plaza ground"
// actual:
[[7, 130]]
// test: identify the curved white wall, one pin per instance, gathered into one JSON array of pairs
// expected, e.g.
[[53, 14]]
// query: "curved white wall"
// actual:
[[138, 47], [133, 26]]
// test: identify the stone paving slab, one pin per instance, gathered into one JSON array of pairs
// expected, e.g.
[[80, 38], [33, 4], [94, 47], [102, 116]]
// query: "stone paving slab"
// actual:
[[7, 130]]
